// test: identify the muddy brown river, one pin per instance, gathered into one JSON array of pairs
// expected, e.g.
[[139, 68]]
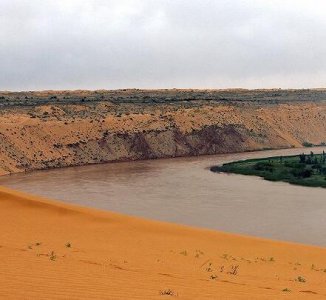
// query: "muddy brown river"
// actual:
[[184, 190]]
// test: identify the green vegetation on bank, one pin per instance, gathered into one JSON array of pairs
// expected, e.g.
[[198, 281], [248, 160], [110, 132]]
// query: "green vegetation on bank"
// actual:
[[303, 169]]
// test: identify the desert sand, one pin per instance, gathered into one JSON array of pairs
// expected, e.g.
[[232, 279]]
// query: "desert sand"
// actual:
[[50, 250]]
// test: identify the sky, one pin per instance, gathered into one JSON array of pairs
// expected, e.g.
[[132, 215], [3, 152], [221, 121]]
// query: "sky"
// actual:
[[112, 44]]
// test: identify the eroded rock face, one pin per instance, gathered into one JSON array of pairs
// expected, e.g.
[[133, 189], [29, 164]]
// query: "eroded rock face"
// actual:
[[88, 128]]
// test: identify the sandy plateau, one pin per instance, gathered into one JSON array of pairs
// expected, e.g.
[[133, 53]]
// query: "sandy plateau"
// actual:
[[50, 250]]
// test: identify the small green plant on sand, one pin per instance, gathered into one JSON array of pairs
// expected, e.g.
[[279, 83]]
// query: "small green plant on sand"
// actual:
[[32, 245], [234, 270], [225, 256], [167, 292], [68, 245], [52, 256], [301, 279], [209, 268], [286, 290]]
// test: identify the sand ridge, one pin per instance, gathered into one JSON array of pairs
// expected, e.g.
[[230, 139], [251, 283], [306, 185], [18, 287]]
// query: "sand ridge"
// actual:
[[50, 250]]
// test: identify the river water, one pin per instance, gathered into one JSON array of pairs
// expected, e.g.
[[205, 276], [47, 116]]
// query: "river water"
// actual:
[[184, 190]]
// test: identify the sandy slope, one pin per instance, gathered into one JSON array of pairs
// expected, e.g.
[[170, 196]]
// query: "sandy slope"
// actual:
[[119, 257], [60, 134]]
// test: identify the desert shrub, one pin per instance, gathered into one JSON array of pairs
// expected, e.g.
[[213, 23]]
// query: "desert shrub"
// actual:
[[264, 166], [305, 173], [307, 144]]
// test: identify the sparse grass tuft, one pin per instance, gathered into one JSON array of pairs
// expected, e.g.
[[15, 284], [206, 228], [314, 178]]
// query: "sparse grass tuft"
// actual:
[[300, 279], [52, 256], [234, 270], [167, 292]]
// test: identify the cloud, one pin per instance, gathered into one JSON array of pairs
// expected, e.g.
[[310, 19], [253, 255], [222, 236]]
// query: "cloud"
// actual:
[[69, 44]]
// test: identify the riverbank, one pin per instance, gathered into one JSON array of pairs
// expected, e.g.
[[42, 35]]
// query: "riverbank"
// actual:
[[256, 207], [51, 250], [54, 129], [304, 169]]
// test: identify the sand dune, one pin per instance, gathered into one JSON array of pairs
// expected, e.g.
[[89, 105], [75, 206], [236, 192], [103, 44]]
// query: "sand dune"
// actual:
[[50, 250]]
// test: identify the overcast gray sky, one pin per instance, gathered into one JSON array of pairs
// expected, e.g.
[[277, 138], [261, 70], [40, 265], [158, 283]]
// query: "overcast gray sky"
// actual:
[[95, 44]]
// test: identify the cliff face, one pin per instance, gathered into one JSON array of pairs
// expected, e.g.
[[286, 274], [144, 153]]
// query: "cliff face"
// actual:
[[55, 134]]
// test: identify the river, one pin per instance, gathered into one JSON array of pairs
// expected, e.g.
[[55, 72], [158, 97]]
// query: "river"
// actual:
[[184, 190]]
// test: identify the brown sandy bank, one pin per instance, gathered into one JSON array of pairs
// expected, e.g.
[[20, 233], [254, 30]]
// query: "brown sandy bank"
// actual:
[[42, 130], [49, 250]]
